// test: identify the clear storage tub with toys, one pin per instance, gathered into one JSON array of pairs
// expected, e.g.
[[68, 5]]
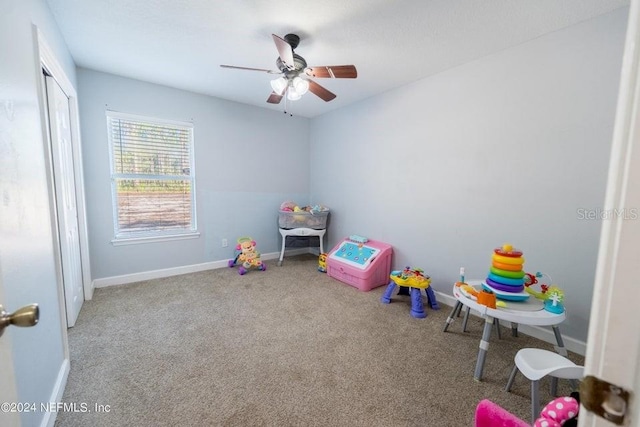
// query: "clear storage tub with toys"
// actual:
[[314, 220]]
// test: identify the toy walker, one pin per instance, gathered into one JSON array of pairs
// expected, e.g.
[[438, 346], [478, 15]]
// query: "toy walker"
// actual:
[[247, 256]]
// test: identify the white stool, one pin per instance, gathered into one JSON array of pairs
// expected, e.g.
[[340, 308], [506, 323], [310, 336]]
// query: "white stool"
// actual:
[[535, 363]]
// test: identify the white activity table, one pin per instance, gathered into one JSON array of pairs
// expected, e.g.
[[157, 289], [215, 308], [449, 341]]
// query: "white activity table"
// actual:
[[511, 314]]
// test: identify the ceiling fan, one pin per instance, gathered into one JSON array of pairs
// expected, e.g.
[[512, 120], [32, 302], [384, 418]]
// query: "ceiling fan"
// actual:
[[294, 80]]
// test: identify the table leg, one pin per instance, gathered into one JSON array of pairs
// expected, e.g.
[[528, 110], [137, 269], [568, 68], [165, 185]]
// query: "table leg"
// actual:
[[431, 299], [417, 306], [452, 315], [386, 297], [458, 309], [465, 320], [284, 238], [560, 349], [497, 323], [483, 348], [514, 329]]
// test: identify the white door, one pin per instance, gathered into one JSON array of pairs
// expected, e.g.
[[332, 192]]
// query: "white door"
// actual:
[[613, 345], [65, 189], [8, 392]]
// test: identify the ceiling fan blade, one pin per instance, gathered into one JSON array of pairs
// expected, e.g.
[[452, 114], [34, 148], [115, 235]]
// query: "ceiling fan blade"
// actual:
[[274, 98], [321, 91], [333, 71], [251, 69], [285, 51]]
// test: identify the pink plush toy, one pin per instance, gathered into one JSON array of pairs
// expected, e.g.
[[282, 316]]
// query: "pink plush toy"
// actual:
[[557, 412], [489, 414], [560, 412]]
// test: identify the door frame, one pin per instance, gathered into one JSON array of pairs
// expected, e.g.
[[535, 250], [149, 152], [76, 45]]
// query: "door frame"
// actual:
[[48, 62]]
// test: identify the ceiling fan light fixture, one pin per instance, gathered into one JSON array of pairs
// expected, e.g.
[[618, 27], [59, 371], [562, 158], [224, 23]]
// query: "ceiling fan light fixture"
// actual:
[[279, 85], [292, 94], [301, 85]]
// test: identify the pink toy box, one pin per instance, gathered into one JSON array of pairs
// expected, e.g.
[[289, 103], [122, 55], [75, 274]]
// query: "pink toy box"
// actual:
[[360, 262]]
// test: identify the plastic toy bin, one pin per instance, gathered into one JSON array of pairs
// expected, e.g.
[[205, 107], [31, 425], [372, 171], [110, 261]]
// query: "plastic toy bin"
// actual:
[[316, 221], [363, 266]]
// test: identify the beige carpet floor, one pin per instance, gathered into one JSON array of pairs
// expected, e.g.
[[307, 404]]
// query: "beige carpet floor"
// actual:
[[289, 346]]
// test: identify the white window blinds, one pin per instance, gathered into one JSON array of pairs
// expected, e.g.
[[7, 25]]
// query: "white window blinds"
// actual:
[[152, 176]]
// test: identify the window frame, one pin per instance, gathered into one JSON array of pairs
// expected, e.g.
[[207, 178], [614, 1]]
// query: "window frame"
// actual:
[[122, 238]]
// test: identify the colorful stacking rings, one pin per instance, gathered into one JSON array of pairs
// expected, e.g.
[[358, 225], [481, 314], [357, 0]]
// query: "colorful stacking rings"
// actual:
[[507, 267], [504, 288], [508, 259], [505, 273], [505, 280], [507, 250]]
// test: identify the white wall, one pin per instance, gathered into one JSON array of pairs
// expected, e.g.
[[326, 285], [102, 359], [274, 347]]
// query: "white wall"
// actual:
[[27, 260], [507, 148], [248, 161]]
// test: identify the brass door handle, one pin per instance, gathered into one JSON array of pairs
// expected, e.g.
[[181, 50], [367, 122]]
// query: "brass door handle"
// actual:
[[25, 316]]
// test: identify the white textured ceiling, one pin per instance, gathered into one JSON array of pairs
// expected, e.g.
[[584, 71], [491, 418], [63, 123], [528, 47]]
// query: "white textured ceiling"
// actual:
[[181, 43]]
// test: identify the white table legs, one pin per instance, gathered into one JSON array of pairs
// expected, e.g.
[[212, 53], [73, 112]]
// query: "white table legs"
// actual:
[[300, 232]]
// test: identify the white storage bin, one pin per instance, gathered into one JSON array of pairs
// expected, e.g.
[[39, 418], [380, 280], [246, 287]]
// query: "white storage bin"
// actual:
[[316, 220]]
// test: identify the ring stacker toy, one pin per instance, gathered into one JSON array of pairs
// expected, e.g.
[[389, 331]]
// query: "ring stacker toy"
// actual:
[[506, 276], [414, 280]]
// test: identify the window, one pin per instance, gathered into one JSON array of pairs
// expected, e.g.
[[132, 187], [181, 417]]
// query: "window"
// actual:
[[152, 177]]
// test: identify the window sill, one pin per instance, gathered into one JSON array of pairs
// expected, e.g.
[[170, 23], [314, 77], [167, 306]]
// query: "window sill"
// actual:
[[153, 239]]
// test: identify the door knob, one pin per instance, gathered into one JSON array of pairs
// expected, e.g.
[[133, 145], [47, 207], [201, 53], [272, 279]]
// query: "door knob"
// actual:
[[25, 316]]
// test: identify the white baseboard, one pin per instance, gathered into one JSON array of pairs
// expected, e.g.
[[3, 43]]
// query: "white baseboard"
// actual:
[[175, 271], [544, 334], [49, 418]]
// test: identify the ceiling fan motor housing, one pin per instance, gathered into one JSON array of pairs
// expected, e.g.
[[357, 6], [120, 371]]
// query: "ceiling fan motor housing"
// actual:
[[293, 40], [299, 63]]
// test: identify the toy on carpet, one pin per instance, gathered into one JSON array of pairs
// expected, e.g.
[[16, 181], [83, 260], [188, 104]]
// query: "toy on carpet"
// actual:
[[412, 280], [362, 265], [560, 412], [506, 274], [247, 256], [322, 263]]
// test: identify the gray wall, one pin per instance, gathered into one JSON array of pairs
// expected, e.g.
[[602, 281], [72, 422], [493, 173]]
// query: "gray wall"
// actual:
[[503, 149], [27, 260], [248, 160]]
